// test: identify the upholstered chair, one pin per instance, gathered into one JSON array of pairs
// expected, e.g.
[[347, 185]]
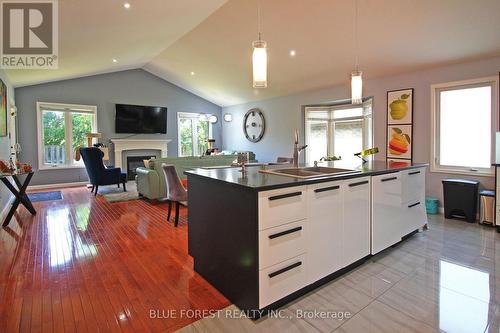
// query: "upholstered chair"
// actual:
[[98, 173], [175, 191]]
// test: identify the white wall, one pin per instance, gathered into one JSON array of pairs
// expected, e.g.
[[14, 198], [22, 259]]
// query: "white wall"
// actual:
[[283, 114], [5, 195]]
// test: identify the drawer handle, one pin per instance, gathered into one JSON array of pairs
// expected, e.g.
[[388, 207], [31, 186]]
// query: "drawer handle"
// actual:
[[358, 183], [286, 269], [388, 179], [413, 205], [283, 233], [413, 173], [324, 189], [287, 195]]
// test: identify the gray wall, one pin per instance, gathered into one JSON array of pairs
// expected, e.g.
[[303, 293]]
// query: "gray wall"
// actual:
[[5, 195], [283, 114], [128, 87]]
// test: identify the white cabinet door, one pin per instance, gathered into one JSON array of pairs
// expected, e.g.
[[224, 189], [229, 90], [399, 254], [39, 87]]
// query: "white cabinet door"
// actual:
[[356, 224], [324, 216], [387, 213]]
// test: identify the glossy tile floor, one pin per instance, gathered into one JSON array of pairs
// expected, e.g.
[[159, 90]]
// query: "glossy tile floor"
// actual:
[[85, 265], [444, 279]]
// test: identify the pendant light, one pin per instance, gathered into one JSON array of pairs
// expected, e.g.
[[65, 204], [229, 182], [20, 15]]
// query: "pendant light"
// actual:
[[259, 58], [356, 75]]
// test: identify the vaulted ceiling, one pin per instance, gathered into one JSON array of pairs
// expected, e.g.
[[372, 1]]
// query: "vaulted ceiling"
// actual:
[[205, 46]]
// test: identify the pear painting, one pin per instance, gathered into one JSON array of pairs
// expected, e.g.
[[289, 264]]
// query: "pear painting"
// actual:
[[399, 141], [399, 107]]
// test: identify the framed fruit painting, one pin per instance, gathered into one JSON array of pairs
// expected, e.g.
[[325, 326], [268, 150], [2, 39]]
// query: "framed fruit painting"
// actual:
[[400, 106], [399, 126], [399, 141]]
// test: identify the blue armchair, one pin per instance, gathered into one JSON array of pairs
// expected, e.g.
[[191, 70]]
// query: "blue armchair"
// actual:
[[98, 173]]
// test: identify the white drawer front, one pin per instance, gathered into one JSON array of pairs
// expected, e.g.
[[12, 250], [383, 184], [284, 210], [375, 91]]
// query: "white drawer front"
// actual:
[[281, 280], [281, 243], [281, 206], [413, 185], [414, 217]]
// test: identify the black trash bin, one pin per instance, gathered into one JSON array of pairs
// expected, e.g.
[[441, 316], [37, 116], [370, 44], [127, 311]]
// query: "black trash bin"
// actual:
[[460, 198]]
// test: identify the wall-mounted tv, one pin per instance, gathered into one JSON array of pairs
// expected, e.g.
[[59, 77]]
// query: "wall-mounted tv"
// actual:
[[139, 119]]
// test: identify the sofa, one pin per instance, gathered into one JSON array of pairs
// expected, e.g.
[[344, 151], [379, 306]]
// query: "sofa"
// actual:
[[151, 180]]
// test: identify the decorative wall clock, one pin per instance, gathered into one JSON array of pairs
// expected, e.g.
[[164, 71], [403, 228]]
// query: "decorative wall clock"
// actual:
[[254, 125]]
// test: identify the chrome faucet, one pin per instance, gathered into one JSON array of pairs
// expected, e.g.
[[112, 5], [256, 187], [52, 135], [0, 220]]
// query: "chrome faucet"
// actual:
[[297, 150]]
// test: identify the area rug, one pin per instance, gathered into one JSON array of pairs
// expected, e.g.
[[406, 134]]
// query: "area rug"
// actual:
[[45, 196], [114, 194]]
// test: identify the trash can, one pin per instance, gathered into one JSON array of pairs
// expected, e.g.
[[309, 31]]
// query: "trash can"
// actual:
[[460, 198], [487, 208], [431, 205]]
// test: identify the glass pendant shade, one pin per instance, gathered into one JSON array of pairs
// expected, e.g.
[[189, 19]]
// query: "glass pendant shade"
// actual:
[[259, 62], [356, 87]]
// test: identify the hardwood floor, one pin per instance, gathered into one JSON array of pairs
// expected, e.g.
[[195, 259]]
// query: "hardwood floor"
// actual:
[[85, 265]]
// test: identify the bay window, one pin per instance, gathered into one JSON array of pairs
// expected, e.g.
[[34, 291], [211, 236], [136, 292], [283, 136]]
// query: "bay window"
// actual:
[[340, 130]]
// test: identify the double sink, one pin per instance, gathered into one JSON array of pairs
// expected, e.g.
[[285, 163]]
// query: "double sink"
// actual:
[[309, 172]]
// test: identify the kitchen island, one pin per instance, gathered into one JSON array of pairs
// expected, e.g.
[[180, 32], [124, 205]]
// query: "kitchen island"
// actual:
[[264, 239]]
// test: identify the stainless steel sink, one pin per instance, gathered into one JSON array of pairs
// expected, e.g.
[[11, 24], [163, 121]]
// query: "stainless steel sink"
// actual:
[[308, 172]]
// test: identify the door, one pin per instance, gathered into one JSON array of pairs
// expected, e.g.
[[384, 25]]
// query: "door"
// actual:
[[386, 211], [356, 224], [325, 214]]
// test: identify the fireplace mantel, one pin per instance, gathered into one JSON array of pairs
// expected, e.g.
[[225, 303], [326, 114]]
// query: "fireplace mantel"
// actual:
[[121, 145]]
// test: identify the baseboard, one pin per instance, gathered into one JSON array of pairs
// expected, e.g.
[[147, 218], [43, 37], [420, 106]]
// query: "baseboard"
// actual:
[[47, 186]]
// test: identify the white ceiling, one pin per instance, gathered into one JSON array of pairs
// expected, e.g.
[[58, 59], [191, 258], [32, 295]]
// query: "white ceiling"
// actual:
[[93, 32], [213, 39]]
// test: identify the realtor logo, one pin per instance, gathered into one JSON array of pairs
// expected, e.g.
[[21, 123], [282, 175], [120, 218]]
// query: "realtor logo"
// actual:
[[29, 34]]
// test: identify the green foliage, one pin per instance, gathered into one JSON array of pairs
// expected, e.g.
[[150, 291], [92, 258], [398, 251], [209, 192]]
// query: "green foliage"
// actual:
[[82, 124], [186, 137], [54, 128], [202, 137], [186, 134]]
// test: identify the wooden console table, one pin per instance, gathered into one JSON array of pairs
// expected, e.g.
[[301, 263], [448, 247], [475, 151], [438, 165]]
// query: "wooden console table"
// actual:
[[19, 193]]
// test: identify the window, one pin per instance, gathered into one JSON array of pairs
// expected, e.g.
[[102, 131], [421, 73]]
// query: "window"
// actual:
[[61, 129], [340, 130], [193, 130], [463, 123]]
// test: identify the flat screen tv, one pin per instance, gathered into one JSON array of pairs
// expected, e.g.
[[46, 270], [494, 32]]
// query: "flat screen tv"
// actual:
[[138, 119]]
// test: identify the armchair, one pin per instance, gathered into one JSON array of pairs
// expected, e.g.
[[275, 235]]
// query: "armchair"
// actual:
[[98, 173]]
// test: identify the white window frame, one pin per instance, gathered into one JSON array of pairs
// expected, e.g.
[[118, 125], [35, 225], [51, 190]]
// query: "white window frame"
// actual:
[[367, 122], [194, 133], [40, 106], [434, 158]]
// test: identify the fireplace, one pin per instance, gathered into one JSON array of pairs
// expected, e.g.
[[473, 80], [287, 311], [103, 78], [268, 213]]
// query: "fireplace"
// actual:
[[133, 162]]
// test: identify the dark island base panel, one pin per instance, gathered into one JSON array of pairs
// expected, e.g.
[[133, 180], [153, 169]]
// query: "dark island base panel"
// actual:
[[256, 313], [225, 248]]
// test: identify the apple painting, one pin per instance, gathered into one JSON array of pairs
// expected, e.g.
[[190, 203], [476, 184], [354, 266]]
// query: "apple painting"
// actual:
[[399, 106]]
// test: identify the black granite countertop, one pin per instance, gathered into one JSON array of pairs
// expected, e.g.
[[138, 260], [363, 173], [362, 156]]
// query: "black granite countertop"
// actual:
[[263, 181]]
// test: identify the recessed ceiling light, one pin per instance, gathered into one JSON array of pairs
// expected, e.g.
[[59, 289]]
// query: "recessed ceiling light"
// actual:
[[114, 60], [192, 73], [126, 5], [292, 53]]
